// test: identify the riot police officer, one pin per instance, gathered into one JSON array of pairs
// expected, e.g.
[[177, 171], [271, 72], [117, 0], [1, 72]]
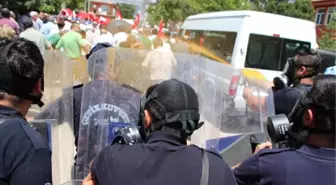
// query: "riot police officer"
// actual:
[[170, 113], [311, 163], [25, 155], [300, 72]]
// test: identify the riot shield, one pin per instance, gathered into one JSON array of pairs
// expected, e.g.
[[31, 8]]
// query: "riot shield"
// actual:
[[111, 100], [55, 119], [80, 76], [227, 115]]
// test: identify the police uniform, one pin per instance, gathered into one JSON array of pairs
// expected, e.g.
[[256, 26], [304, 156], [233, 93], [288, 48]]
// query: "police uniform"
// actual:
[[162, 160], [285, 99], [121, 93], [25, 157], [307, 165]]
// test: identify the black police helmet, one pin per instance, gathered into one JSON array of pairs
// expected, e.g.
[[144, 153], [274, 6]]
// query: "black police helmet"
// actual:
[[174, 104]]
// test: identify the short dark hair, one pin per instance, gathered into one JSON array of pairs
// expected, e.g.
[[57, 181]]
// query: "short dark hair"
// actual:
[[26, 64], [323, 96], [302, 50], [5, 13], [60, 23], [311, 62], [27, 22]]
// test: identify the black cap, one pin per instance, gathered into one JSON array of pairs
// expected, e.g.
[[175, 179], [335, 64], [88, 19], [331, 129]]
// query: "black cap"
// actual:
[[175, 95]]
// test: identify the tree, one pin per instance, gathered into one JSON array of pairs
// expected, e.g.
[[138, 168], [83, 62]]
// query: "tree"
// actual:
[[172, 10], [302, 9], [203, 6], [178, 10], [327, 40], [48, 6], [127, 10]]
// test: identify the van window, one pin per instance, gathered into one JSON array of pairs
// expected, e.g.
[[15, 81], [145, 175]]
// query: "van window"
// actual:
[[289, 49], [215, 45], [270, 53]]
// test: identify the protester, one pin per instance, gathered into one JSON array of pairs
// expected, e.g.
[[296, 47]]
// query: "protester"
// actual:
[[54, 38], [72, 43], [104, 37], [49, 28], [37, 22], [93, 32], [6, 20], [160, 62], [144, 40], [120, 37], [12, 18], [154, 35], [7, 32], [30, 33], [166, 41], [131, 42]]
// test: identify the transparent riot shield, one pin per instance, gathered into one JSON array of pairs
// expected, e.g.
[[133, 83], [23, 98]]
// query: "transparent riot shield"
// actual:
[[197, 72], [229, 116], [244, 122], [74, 182], [55, 119], [80, 75], [109, 101]]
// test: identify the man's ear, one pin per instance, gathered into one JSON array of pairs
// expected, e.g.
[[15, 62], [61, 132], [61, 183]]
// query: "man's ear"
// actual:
[[37, 87], [303, 70], [308, 118], [148, 119]]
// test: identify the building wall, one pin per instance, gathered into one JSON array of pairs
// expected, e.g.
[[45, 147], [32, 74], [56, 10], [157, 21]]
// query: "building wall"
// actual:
[[323, 11], [108, 9]]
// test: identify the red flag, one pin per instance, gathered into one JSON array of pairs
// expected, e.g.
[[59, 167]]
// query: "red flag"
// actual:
[[160, 33], [119, 16], [103, 21], [136, 21]]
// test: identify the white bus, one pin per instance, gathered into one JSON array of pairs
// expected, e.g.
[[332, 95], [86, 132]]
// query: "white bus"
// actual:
[[260, 42]]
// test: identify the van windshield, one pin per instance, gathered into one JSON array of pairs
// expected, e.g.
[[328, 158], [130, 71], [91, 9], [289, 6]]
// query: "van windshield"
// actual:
[[270, 53], [214, 45]]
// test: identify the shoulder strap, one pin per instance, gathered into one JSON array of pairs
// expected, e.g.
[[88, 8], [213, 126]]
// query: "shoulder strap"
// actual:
[[302, 89], [205, 168]]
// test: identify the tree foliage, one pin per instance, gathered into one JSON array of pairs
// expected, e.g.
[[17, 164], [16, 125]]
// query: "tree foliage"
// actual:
[[127, 10], [328, 40], [177, 10], [49, 6], [302, 9], [172, 10]]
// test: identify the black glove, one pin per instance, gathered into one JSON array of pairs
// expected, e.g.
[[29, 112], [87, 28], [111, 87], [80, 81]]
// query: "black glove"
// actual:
[[278, 84]]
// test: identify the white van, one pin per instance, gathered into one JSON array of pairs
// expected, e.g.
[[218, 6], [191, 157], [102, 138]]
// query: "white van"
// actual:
[[258, 41]]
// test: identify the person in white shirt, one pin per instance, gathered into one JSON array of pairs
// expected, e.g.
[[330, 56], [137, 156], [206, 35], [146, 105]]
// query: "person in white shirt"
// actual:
[[92, 32], [119, 38], [67, 25], [160, 61], [104, 37]]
